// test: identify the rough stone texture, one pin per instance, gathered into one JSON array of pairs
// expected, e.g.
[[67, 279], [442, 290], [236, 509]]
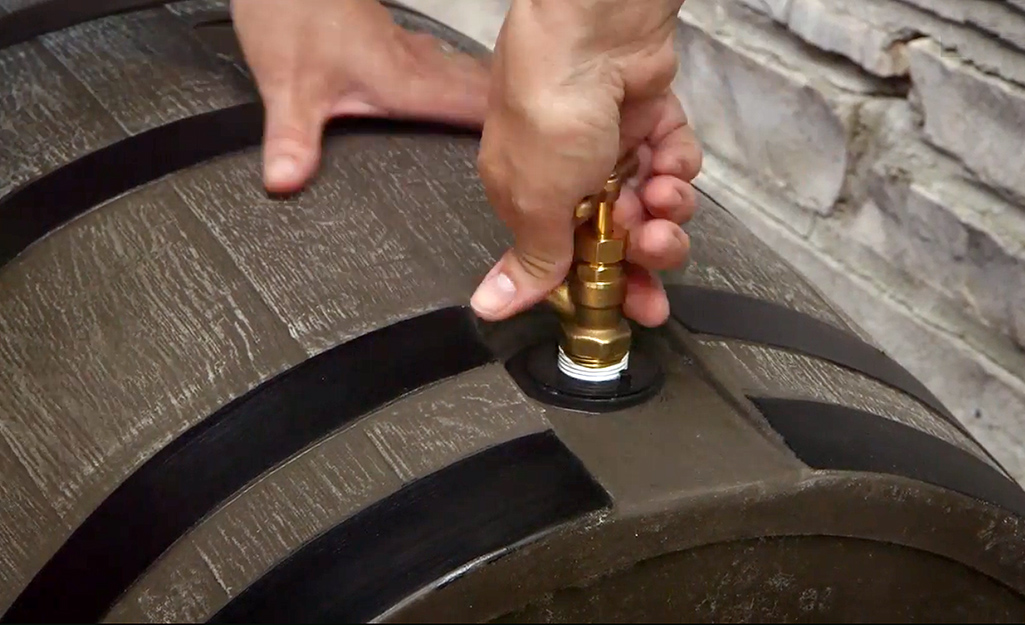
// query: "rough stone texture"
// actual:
[[927, 218], [854, 30], [975, 116], [751, 93], [921, 237], [960, 55], [873, 33], [878, 146]]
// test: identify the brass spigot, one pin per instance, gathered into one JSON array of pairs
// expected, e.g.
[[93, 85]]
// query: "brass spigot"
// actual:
[[595, 342]]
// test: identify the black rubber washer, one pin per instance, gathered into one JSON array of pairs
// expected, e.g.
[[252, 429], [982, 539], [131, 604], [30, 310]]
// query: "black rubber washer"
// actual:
[[536, 370]]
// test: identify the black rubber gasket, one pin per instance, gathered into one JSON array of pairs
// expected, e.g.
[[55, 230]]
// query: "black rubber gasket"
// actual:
[[732, 315], [535, 369], [838, 438], [209, 463], [482, 504]]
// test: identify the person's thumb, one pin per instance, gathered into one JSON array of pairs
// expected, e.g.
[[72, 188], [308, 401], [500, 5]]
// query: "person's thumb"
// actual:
[[291, 145], [526, 274]]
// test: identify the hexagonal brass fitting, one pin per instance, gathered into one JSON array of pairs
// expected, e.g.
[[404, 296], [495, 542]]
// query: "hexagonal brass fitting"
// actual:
[[590, 302], [596, 347], [591, 249], [598, 293]]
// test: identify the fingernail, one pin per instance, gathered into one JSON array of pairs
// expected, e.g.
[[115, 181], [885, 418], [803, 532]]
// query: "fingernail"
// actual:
[[494, 294], [282, 169]]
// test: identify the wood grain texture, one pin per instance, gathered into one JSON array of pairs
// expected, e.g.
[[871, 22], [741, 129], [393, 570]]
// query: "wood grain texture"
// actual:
[[189, 8], [334, 479], [28, 516], [783, 580], [147, 69], [116, 335], [687, 440], [393, 226], [726, 255], [81, 88], [431, 429], [780, 373], [14, 5], [47, 117]]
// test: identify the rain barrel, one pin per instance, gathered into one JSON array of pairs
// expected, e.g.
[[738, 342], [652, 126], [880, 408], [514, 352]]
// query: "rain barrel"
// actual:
[[219, 406]]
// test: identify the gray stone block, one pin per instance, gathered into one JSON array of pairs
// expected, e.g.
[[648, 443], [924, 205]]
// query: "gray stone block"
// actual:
[[997, 18], [874, 33], [925, 219], [907, 319], [867, 32], [977, 117], [757, 100]]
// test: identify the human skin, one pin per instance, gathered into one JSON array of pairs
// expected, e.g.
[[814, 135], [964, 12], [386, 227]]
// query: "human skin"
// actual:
[[577, 84], [572, 85], [314, 60]]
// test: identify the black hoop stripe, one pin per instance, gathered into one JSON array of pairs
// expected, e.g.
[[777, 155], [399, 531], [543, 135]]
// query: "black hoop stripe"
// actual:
[[41, 205], [365, 565], [48, 16], [838, 438], [724, 314], [206, 465]]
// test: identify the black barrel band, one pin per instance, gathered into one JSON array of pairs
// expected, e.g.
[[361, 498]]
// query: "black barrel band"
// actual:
[[732, 315], [48, 16], [365, 565], [838, 438], [42, 205], [210, 462]]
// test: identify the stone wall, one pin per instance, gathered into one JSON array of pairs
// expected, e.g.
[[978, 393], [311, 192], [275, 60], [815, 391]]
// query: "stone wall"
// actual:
[[880, 146]]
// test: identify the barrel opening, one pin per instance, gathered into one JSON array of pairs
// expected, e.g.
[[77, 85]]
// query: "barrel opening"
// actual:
[[535, 369]]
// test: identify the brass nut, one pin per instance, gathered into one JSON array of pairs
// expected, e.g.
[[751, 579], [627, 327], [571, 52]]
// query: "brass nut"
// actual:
[[591, 249], [598, 294], [597, 348], [586, 272]]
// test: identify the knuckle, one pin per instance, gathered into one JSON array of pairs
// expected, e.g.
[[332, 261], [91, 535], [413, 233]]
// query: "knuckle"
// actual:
[[541, 265]]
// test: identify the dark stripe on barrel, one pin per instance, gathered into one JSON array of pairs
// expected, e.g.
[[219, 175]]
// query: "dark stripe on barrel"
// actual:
[[203, 467], [716, 312], [838, 438], [485, 503], [44, 204], [51, 15]]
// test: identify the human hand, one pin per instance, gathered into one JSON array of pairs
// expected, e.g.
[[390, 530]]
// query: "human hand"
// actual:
[[577, 84], [313, 60]]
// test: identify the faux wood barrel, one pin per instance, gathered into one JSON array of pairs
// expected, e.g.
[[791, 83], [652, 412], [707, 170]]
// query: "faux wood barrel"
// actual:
[[218, 406]]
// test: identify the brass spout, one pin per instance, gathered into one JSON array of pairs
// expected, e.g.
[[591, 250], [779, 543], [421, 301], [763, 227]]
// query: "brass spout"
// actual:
[[561, 301], [589, 303]]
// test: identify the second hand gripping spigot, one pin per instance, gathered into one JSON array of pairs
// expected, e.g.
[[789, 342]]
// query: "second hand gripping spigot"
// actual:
[[595, 342]]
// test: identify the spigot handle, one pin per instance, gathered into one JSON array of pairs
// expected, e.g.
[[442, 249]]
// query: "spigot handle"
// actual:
[[625, 169]]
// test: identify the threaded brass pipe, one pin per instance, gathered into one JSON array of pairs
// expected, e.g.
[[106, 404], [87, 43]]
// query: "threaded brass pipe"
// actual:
[[595, 342]]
